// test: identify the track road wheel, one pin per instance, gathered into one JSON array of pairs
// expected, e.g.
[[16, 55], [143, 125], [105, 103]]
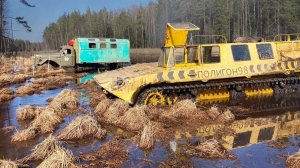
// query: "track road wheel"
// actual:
[[152, 97], [171, 99]]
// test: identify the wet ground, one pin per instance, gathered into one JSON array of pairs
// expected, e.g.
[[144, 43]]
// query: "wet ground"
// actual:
[[263, 121]]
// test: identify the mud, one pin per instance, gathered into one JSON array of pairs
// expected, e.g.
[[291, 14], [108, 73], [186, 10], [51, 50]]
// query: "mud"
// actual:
[[255, 136]]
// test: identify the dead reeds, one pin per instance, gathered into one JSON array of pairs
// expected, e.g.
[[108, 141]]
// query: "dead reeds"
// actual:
[[61, 158], [102, 107], [183, 109], [121, 105], [134, 119], [114, 112], [293, 161], [43, 149], [147, 137], [25, 90], [67, 99], [8, 164], [9, 79], [112, 154], [210, 149], [28, 112], [214, 112], [6, 94], [47, 121], [96, 98], [24, 135], [51, 82], [224, 117], [81, 127]]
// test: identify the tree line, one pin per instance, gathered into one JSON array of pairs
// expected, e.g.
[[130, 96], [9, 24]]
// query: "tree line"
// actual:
[[144, 26]]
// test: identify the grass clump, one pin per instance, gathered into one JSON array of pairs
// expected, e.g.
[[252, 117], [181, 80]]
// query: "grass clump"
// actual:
[[81, 127], [134, 119], [44, 149], [183, 109], [28, 112], [114, 112], [25, 90], [61, 158], [293, 161], [65, 100], [112, 154], [102, 107], [224, 117], [147, 137], [47, 121], [210, 149], [6, 94], [24, 135], [8, 164]]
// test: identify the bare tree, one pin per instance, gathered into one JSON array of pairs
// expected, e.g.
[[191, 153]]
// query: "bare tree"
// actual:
[[27, 4]]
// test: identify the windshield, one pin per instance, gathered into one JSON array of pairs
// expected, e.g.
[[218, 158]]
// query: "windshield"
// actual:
[[171, 56], [162, 61]]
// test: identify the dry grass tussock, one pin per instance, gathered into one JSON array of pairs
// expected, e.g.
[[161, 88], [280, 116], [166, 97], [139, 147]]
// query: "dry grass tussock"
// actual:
[[121, 105], [6, 68], [216, 114], [81, 127], [24, 135], [102, 107], [134, 119], [114, 112], [183, 109], [210, 149], [293, 161], [147, 137], [47, 121], [65, 100], [95, 98], [44, 149], [28, 112], [51, 82], [25, 90], [8, 129], [111, 116], [6, 94], [61, 158], [226, 117], [9, 79], [8, 164], [45, 71], [89, 85], [111, 154]]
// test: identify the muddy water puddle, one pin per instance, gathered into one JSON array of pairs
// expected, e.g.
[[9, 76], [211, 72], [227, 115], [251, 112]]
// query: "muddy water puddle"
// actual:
[[262, 122]]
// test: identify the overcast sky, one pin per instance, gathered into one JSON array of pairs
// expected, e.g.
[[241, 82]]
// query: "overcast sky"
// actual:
[[47, 11]]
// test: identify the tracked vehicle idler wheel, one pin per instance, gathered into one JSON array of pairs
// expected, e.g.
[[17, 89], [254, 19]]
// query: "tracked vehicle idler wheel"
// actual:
[[151, 97]]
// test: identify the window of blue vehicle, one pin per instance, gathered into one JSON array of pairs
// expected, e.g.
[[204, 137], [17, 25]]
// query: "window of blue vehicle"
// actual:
[[92, 45], [240, 52], [103, 46], [113, 46]]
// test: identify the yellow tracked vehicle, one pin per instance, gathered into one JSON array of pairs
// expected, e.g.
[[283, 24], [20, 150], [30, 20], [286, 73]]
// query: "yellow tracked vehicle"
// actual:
[[208, 71]]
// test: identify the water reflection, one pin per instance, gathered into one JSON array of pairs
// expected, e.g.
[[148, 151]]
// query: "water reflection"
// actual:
[[272, 118]]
